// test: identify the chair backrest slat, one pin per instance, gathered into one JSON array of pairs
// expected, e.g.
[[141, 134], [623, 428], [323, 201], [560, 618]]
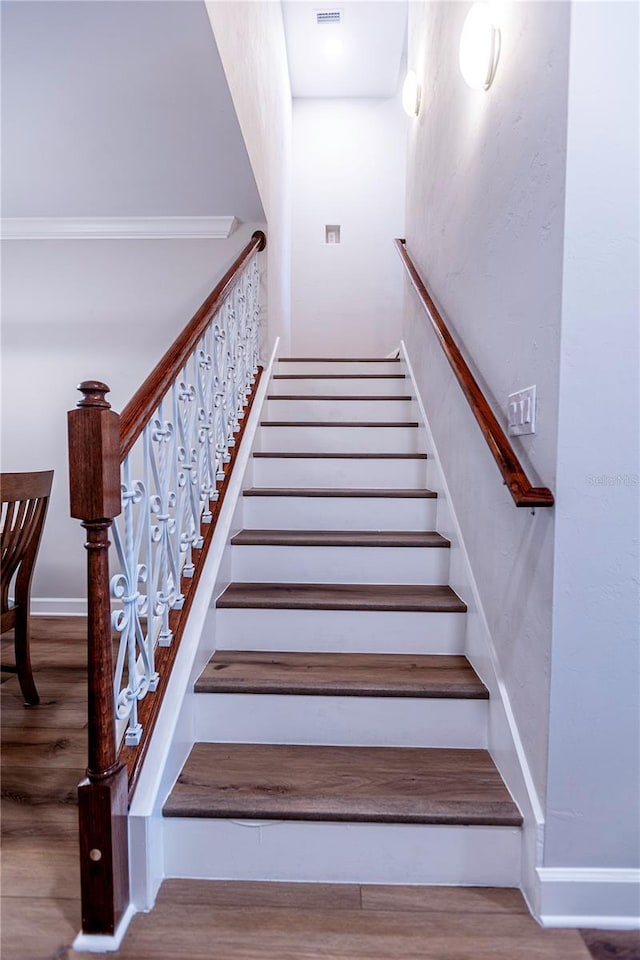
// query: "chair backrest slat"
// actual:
[[25, 498]]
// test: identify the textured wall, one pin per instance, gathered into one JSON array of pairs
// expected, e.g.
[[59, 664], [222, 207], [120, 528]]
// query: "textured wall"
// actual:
[[250, 38], [349, 160], [594, 747], [485, 196]]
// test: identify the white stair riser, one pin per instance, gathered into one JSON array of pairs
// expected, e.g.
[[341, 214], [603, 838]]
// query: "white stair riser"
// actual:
[[341, 852], [340, 439], [374, 386], [339, 472], [339, 631], [338, 366], [346, 721], [339, 513], [340, 564], [328, 410]]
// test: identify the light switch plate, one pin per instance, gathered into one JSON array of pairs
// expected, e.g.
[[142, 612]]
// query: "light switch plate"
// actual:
[[521, 412]]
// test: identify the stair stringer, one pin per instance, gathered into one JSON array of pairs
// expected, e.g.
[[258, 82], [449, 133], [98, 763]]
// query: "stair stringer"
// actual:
[[504, 742], [174, 733]]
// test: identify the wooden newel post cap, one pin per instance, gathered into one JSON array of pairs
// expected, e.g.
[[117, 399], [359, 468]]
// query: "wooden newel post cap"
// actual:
[[93, 394], [94, 455]]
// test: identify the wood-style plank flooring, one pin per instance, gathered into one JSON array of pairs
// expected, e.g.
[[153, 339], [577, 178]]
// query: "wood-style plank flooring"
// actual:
[[194, 920]]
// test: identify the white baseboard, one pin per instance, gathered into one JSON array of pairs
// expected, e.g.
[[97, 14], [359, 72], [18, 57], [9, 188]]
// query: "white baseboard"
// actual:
[[597, 898], [117, 228], [59, 606]]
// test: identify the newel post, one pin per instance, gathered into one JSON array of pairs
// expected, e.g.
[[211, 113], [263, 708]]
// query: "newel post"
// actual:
[[94, 479]]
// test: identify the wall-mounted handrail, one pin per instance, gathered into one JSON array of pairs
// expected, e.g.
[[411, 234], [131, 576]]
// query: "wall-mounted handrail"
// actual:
[[152, 479], [513, 474]]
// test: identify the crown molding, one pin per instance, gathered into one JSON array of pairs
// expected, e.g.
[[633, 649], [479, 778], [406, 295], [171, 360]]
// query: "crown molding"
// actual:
[[117, 228]]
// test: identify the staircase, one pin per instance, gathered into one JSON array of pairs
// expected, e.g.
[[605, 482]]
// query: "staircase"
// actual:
[[340, 730]]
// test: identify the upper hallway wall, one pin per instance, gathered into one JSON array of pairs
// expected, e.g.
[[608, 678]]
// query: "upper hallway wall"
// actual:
[[484, 224], [251, 41], [118, 109], [349, 159]]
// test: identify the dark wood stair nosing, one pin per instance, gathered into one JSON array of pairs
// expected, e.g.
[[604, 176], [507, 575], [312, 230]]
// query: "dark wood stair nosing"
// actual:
[[412, 539], [248, 781], [339, 423], [360, 675], [338, 376], [404, 598], [337, 492], [317, 455], [338, 360], [338, 397]]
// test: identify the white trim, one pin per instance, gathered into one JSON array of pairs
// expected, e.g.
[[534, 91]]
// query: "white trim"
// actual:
[[504, 740], [59, 606], [604, 898], [101, 943], [173, 735], [117, 228]]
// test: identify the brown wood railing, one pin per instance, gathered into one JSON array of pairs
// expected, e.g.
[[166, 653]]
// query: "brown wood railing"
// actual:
[[99, 442], [513, 474]]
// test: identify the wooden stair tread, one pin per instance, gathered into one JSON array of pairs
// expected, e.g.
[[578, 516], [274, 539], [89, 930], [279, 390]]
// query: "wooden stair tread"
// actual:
[[338, 376], [341, 674], [338, 492], [340, 538], [338, 359], [299, 455], [339, 423], [376, 784], [333, 396], [342, 596]]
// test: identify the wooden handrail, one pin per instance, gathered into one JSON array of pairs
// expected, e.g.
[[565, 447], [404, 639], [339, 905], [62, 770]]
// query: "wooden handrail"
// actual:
[[523, 493], [145, 400]]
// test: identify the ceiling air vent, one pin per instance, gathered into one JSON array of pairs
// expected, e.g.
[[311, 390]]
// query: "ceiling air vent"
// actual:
[[328, 16]]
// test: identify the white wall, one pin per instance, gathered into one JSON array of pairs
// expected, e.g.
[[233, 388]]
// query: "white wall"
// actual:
[[250, 38], [118, 109], [485, 192], [349, 160], [593, 799], [84, 310]]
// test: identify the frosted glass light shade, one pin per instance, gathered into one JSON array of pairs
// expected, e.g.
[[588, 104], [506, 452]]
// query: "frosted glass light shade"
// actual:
[[411, 95], [479, 47]]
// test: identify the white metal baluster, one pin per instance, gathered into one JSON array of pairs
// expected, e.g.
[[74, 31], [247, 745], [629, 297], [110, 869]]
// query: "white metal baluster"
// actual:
[[126, 621], [162, 506], [204, 367], [150, 530]]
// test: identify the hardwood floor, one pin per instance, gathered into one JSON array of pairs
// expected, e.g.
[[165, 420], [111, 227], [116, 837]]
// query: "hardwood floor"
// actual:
[[43, 751]]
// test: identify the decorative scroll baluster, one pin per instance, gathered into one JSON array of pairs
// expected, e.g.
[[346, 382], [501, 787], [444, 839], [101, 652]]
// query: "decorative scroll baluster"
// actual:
[[169, 481]]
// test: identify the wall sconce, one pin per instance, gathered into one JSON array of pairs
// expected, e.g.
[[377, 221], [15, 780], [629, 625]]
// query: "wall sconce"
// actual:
[[479, 47], [411, 94]]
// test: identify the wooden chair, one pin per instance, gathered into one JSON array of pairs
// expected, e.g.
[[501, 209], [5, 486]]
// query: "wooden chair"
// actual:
[[25, 499]]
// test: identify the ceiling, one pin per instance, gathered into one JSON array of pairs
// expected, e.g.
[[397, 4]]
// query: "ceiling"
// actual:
[[358, 57]]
